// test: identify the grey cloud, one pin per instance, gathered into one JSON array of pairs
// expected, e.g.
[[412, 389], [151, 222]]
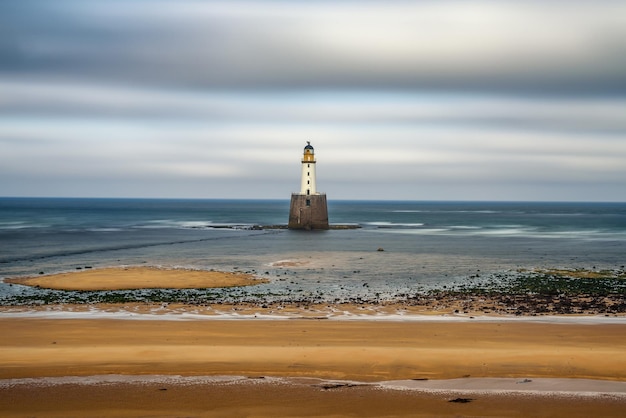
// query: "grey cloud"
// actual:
[[204, 98], [602, 115], [518, 46]]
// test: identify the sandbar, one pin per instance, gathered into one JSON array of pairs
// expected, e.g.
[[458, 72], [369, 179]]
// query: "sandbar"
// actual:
[[128, 278]]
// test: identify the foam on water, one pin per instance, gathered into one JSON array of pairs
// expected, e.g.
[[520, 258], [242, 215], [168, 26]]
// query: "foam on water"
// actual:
[[338, 315], [505, 386], [534, 386], [391, 224]]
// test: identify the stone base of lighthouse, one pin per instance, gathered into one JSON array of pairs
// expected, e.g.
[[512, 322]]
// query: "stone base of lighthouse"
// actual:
[[308, 212]]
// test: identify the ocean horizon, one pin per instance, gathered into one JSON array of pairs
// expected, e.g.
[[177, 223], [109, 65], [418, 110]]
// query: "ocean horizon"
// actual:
[[399, 249]]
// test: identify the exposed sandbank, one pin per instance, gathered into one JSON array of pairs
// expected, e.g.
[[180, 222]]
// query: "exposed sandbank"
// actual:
[[127, 278]]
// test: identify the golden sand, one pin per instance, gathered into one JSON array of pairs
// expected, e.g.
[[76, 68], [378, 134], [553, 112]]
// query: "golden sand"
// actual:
[[119, 278], [351, 350], [358, 350]]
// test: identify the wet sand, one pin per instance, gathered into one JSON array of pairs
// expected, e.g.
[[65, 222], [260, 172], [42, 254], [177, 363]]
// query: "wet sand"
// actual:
[[256, 397], [363, 351]]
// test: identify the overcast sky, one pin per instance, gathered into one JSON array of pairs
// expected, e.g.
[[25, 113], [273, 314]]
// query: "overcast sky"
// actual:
[[411, 100]]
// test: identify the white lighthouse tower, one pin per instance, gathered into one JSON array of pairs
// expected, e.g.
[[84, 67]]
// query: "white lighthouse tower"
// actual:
[[308, 186], [308, 209]]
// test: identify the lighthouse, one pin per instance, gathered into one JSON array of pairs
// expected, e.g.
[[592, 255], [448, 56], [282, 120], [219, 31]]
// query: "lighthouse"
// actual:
[[308, 209]]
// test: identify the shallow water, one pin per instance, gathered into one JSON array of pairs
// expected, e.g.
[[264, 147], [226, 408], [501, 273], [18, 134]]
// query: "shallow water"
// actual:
[[426, 244]]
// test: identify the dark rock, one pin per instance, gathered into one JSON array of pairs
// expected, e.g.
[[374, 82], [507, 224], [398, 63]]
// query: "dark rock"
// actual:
[[461, 400], [327, 386]]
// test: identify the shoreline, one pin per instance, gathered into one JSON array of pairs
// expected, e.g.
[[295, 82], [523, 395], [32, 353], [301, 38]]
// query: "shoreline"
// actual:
[[349, 312], [159, 396], [539, 293], [572, 387]]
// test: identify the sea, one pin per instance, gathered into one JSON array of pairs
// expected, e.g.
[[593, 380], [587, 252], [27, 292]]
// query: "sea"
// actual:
[[399, 249]]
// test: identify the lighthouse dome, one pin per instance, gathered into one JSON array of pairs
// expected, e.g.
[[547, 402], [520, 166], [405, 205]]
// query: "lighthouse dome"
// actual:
[[309, 154]]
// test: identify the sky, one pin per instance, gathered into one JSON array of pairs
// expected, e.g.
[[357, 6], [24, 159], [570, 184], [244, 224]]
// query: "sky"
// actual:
[[521, 100]]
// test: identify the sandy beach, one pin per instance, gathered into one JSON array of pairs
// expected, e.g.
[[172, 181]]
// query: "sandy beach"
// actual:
[[153, 360], [352, 350], [358, 351]]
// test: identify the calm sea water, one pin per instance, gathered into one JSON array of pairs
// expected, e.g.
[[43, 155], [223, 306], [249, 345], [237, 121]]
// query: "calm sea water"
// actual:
[[426, 244]]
